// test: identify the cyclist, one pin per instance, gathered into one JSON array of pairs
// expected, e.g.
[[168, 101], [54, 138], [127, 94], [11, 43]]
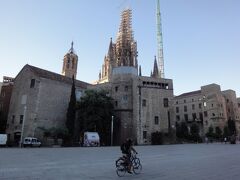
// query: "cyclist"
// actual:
[[127, 149]]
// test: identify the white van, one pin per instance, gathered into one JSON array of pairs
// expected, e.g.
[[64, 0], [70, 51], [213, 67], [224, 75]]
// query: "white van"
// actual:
[[31, 142], [91, 139], [3, 139]]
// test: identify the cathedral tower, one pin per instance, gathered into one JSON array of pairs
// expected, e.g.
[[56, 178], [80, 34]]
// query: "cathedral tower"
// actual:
[[123, 52], [126, 47], [70, 62]]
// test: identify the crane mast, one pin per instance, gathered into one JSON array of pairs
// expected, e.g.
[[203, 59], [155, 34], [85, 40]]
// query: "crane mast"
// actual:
[[159, 43]]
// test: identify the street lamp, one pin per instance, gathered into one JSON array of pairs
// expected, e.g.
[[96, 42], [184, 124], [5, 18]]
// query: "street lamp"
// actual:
[[112, 131], [24, 114]]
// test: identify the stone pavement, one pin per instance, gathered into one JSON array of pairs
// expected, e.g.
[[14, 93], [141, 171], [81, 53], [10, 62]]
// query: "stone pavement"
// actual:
[[167, 162]]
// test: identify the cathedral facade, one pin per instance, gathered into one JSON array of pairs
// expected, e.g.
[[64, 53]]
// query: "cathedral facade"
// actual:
[[142, 104]]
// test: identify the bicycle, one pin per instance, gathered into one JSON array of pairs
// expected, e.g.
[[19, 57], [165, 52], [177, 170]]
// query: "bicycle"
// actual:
[[122, 165]]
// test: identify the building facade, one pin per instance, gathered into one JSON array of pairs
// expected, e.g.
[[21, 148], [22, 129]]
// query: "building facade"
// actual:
[[5, 97], [232, 109], [142, 104], [208, 107], [39, 101]]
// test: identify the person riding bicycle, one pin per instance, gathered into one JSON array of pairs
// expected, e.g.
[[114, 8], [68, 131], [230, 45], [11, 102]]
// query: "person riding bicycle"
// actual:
[[127, 149]]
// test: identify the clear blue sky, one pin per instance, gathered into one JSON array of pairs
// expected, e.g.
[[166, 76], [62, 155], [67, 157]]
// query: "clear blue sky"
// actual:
[[201, 37]]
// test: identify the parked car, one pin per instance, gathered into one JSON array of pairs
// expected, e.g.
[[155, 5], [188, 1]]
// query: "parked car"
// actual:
[[31, 142], [3, 139]]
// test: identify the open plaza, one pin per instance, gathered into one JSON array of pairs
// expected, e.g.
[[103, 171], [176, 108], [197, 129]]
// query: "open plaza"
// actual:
[[166, 162]]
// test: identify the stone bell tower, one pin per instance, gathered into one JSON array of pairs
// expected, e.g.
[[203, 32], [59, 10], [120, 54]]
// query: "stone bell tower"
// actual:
[[70, 62]]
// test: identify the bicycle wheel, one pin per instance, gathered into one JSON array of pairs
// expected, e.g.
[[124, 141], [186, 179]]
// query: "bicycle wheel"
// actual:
[[119, 162], [137, 167], [121, 170]]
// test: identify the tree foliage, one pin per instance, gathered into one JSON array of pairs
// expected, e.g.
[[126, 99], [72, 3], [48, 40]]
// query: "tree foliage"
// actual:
[[231, 127], [182, 130], [71, 111], [95, 111], [194, 133], [218, 133], [210, 132]]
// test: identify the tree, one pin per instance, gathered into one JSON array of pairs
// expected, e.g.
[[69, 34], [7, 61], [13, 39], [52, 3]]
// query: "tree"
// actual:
[[231, 127], [95, 111], [226, 132], [194, 130], [182, 130], [210, 133], [218, 133], [71, 111]]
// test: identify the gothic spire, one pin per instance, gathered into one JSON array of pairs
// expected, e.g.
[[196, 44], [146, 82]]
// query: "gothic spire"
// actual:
[[140, 71], [71, 50], [110, 50], [126, 47], [155, 69]]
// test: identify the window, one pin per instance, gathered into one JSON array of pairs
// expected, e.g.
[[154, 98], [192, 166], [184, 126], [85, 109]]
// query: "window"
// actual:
[[186, 117], [144, 102], [126, 88], [193, 106], [213, 114], [165, 102], [116, 103], [125, 98], [205, 114], [21, 119], [184, 101], [176, 102], [185, 108], [239, 105], [3, 94], [201, 116], [178, 118], [144, 134], [116, 89], [177, 109], [200, 105], [212, 105], [13, 118], [194, 116], [192, 100], [73, 65], [32, 83], [156, 120]]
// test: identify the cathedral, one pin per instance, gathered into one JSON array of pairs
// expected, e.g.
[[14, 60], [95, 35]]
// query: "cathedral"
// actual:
[[123, 52], [142, 104]]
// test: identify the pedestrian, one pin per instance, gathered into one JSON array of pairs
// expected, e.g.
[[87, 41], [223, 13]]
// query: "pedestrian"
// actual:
[[225, 140], [206, 140]]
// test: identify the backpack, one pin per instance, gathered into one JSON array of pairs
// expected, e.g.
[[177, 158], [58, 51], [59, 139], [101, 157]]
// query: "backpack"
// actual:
[[123, 148]]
